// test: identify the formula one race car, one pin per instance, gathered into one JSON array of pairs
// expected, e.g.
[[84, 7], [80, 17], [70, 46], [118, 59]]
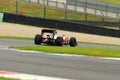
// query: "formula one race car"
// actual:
[[50, 37]]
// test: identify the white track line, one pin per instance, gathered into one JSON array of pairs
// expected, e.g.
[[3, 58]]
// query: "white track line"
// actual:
[[24, 76]]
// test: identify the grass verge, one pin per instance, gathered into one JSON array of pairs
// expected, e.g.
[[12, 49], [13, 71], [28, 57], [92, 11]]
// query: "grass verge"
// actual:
[[14, 37], [74, 50], [3, 78]]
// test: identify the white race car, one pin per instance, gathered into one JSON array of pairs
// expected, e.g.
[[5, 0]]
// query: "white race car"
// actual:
[[49, 36]]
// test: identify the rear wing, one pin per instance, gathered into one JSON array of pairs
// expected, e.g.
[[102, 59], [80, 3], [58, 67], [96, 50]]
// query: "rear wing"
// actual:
[[48, 31]]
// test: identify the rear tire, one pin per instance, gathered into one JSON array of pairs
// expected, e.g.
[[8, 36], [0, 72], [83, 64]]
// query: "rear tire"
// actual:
[[38, 39], [59, 41], [72, 42]]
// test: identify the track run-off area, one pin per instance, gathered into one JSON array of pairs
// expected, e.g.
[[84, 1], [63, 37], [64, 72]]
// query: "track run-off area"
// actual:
[[53, 67], [18, 30]]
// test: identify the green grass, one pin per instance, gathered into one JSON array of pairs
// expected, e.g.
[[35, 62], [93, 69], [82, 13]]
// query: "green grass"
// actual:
[[98, 43], [38, 11], [14, 37], [111, 1], [74, 50], [3, 78]]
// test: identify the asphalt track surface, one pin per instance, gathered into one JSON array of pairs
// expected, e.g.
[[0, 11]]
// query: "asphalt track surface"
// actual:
[[70, 67]]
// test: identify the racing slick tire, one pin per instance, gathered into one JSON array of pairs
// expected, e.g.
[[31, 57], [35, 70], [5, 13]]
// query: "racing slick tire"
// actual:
[[72, 42], [38, 39], [59, 41]]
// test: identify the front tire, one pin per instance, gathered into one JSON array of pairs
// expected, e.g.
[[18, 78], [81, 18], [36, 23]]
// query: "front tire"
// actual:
[[72, 42], [38, 39]]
